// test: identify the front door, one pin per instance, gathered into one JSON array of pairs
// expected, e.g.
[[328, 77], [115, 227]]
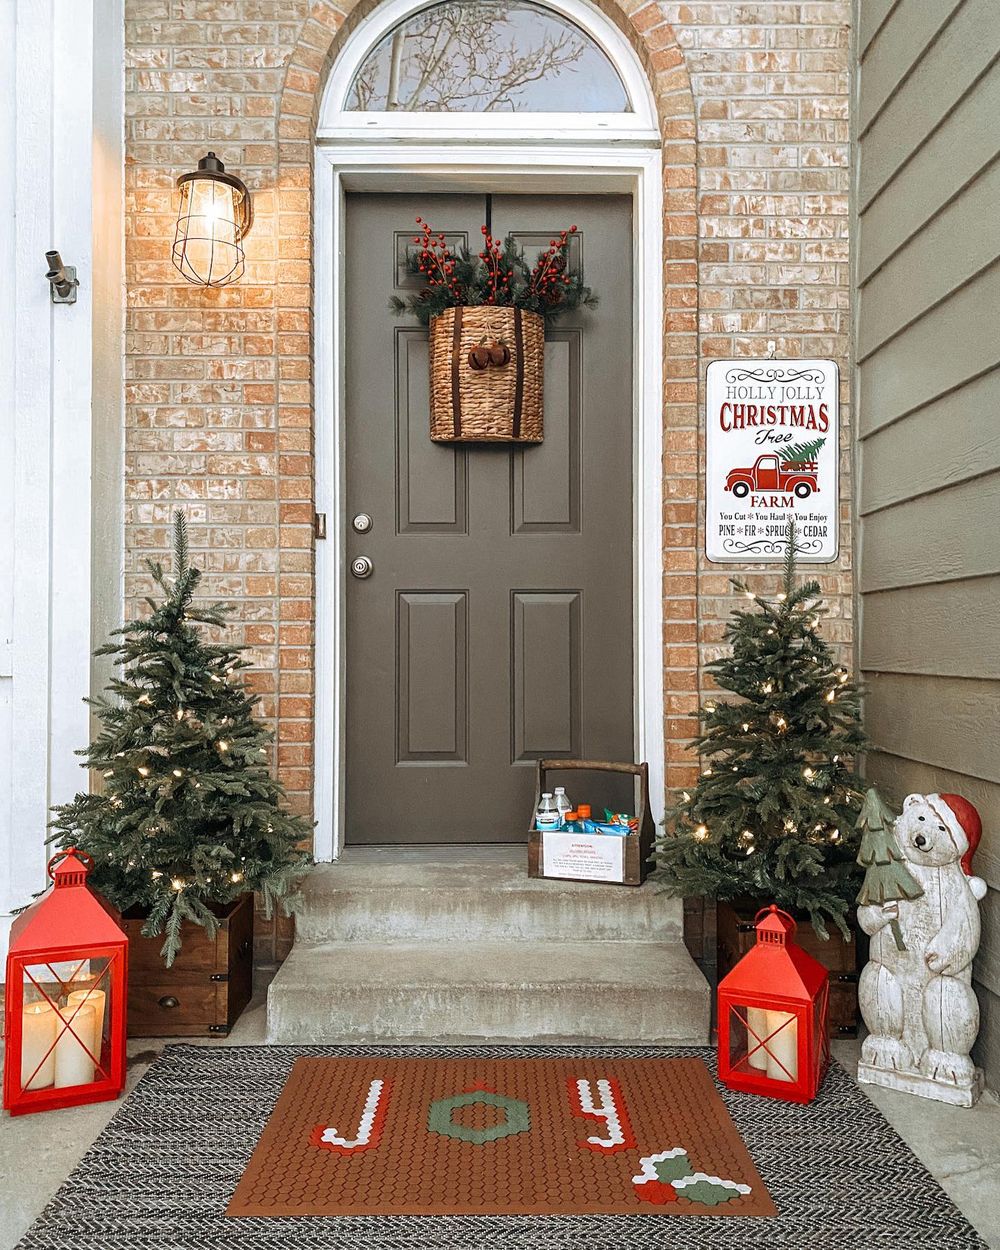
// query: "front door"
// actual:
[[495, 627]]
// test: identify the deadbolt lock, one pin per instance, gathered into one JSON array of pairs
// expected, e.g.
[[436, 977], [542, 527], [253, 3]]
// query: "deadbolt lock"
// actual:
[[362, 523], [361, 566]]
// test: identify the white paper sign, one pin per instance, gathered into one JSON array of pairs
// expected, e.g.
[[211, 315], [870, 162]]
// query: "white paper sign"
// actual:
[[772, 451], [583, 856]]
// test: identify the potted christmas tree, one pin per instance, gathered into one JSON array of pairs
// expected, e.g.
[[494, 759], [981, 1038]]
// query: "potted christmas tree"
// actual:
[[772, 818], [189, 821]]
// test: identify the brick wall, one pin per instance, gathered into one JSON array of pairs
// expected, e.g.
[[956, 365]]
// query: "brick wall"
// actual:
[[753, 103]]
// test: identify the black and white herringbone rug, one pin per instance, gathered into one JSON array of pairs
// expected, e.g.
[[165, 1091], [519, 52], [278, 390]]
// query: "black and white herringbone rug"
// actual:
[[161, 1173]]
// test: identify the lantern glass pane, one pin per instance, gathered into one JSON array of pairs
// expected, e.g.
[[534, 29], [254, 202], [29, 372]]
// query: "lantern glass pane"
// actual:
[[208, 245], [764, 1042], [65, 1024]]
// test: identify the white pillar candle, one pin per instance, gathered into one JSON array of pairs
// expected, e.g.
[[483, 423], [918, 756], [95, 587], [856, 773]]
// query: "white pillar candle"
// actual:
[[92, 998], [38, 1032], [757, 1020], [783, 1047], [73, 1065]]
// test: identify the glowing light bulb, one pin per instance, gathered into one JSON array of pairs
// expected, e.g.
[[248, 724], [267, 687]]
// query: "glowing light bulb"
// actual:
[[178, 772], [223, 745], [156, 875], [180, 713], [746, 727], [235, 876], [782, 597], [144, 698], [767, 687], [142, 770], [782, 723], [177, 884], [844, 678], [110, 772], [808, 774], [829, 695]]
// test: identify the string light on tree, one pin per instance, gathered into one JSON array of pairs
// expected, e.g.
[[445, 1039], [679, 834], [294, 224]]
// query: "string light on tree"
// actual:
[[160, 846], [760, 820]]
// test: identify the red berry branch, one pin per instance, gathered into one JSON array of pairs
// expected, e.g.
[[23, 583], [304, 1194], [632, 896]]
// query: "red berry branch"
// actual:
[[496, 275]]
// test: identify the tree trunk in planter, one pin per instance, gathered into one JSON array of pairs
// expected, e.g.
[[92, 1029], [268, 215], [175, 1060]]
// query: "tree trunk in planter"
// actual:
[[736, 934], [210, 983]]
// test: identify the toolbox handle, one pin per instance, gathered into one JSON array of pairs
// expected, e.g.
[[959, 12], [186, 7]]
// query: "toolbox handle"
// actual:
[[641, 771]]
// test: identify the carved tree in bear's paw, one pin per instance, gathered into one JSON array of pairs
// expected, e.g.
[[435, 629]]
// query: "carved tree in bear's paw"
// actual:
[[918, 1003]]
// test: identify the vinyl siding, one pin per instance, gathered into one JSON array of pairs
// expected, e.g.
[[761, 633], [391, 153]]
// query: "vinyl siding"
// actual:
[[928, 388]]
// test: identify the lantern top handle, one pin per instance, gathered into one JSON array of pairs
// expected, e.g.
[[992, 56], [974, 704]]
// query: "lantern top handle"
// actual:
[[69, 866], [773, 925]]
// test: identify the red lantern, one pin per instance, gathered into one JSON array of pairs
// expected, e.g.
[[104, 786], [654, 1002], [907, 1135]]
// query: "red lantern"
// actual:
[[773, 1007], [65, 1005]]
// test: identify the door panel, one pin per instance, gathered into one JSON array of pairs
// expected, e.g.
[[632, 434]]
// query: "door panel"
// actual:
[[496, 625]]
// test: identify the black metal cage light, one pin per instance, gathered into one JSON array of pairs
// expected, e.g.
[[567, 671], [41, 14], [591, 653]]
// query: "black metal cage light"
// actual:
[[214, 217]]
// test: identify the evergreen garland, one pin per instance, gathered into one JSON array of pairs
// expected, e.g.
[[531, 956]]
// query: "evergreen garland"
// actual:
[[773, 815], [189, 815], [498, 275]]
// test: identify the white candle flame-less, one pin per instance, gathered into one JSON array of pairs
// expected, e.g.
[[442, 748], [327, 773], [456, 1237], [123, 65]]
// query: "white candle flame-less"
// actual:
[[74, 1066], [92, 998], [38, 1032], [757, 1022], [783, 1047]]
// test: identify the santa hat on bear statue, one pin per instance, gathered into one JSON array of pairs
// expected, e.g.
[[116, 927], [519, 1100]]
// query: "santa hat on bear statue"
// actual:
[[963, 819]]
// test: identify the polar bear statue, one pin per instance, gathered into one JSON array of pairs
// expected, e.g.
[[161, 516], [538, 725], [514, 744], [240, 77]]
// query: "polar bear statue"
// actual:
[[918, 1003]]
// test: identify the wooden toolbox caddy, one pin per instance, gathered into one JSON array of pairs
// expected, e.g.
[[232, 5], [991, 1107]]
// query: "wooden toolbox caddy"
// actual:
[[637, 847]]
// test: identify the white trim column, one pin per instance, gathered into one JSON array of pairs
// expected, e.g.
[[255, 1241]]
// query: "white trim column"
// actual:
[[46, 368]]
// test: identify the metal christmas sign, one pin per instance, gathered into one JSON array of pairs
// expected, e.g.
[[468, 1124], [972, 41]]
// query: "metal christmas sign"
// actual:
[[772, 451]]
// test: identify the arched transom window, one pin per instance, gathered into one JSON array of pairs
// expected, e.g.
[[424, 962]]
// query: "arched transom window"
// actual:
[[485, 56], [462, 69]]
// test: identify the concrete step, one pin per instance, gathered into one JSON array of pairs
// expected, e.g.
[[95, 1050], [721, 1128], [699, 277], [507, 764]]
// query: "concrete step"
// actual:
[[515, 991], [438, 894]]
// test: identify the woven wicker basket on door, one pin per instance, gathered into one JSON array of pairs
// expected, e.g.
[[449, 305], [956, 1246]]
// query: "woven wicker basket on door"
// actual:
[[497, 404]]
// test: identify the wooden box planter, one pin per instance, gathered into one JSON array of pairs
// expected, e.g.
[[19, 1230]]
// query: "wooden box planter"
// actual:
[[735, 934], [637, 847], [210, 983]]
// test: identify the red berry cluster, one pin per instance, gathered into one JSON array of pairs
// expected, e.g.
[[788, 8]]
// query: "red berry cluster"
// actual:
[[498, 273], [435, 260], [549, 279]]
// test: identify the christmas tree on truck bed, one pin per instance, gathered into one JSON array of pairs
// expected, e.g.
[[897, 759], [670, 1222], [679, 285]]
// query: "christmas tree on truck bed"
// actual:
[[773, 814], [189, 816]]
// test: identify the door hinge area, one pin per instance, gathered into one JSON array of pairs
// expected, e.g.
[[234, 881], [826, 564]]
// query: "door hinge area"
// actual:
[[319, 525]]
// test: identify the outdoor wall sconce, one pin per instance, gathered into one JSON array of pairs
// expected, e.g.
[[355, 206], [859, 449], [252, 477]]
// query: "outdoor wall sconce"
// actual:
[[214, 217]]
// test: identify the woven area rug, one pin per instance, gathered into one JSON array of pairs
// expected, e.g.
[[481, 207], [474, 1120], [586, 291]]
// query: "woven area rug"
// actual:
[[163, 1171], [380, 1136]]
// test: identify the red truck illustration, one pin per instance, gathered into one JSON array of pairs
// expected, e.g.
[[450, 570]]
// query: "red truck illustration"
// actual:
[[770, 473]]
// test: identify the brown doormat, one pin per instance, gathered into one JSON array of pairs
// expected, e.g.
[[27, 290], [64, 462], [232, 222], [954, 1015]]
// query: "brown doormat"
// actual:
[[396, 1136]]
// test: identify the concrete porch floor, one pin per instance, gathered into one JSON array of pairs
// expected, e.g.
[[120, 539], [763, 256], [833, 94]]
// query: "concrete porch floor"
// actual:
[[961, 1148]]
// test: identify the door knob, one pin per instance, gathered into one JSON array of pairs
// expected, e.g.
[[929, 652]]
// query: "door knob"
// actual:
[[361, 566], [362, 523]]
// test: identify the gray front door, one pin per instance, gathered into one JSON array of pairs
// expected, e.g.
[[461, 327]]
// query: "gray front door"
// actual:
[[496, 625]]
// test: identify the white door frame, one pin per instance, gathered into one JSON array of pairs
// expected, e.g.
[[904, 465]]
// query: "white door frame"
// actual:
[[508, 168]]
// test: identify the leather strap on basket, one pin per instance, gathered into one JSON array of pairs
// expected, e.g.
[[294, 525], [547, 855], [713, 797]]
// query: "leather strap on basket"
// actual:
[[456, 388], [519, 364]]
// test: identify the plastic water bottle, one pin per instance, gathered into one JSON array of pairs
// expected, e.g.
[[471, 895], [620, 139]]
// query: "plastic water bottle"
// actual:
[[562, 803], [547, 818]]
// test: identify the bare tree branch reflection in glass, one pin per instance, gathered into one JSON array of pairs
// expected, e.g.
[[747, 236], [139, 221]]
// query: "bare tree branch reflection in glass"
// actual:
[[487, 56]]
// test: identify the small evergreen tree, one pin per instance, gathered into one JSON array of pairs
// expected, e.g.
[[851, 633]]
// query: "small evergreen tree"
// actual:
[[189, 814], [887, 878], [773, 814]]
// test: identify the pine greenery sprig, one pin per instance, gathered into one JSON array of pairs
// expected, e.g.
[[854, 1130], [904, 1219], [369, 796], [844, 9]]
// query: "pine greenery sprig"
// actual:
[[498, 275], [189, 816], [801, 452], [773, 815]]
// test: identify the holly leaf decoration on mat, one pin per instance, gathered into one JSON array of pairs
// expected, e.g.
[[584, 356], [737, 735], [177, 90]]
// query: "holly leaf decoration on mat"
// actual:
[[667, 1176]]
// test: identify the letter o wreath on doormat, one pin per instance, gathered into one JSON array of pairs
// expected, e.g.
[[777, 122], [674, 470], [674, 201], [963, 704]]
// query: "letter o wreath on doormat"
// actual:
[[517, 1117]]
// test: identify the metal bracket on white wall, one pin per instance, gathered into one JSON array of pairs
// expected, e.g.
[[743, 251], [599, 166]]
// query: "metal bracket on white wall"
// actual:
[[63, 281]]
